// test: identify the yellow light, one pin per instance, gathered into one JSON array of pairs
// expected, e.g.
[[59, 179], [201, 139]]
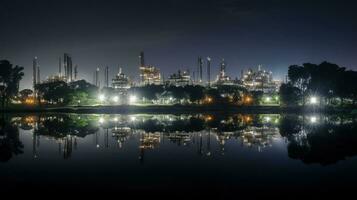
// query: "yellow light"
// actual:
[[209, 118], [29, 101]]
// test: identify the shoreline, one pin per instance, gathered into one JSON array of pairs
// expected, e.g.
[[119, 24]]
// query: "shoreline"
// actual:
[[123, 109]]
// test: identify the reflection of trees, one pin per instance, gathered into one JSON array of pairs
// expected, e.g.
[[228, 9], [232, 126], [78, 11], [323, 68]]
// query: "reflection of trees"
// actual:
[[324, 143], [59, 126], [10, 143]]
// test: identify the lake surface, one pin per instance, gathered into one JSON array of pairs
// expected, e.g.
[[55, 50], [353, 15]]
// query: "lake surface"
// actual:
[[203, 154]]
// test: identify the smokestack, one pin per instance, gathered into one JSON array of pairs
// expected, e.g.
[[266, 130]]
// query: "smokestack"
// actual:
[[65, 66], [142, 59], [201, 69], [34, 75], [106, 76], [97, 77], [75, 72], [38, 75], [209, 71], [60, 66]]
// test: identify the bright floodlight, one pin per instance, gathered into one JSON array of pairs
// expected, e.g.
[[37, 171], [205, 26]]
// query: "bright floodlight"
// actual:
[[313, 100], [132, 99], [115, 99], [101, 97], [267, 119], [132, 118], [267, 99], [116, 119], [313, 119]]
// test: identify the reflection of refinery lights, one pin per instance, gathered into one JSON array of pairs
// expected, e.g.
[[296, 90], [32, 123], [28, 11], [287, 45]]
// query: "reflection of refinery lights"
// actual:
[[101, 97], [132, 99], [101, 120], [267, 119], [115, 99], [313, 119], [132, 118]]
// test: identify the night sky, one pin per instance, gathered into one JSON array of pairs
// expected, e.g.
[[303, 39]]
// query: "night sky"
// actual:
[[173, 33]]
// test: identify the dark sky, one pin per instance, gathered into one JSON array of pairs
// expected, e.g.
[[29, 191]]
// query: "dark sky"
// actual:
[[273, 33]]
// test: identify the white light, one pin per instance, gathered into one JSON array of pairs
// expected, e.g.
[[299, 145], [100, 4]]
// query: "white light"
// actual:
[[132, 99], [313, 100], [313, 119], [268, 99], [101, 97], [132, 118], [101, 120], [116, 119], [115, 99], [170, 98], [267, 119]]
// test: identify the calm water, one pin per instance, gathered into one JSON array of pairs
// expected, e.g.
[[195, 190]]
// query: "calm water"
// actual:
[[198, 153]]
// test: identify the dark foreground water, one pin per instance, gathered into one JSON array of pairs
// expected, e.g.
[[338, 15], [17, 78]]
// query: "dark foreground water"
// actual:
[[205, 155]]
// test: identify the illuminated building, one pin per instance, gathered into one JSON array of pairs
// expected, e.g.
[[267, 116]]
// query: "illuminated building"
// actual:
[[179, 138], [55, 78], [149, 140], [260, 80], [148, 74], [121, 81], [222, 78], [179, 78]]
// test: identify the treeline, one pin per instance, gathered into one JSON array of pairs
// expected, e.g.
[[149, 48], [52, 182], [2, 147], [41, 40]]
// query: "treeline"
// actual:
[[189, 93], [60, 92], [330, 83], [84, 93], [10, 77]]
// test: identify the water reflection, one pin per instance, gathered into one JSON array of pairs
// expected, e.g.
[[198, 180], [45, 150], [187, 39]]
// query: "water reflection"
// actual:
[[10, 143], [311, 139]]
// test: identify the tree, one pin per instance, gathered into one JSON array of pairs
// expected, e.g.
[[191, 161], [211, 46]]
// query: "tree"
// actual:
[[195, 92], [289, 94], [327, 80], [149, 92], [25, 94], [78, 97], [10, 78], [54, 91]]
